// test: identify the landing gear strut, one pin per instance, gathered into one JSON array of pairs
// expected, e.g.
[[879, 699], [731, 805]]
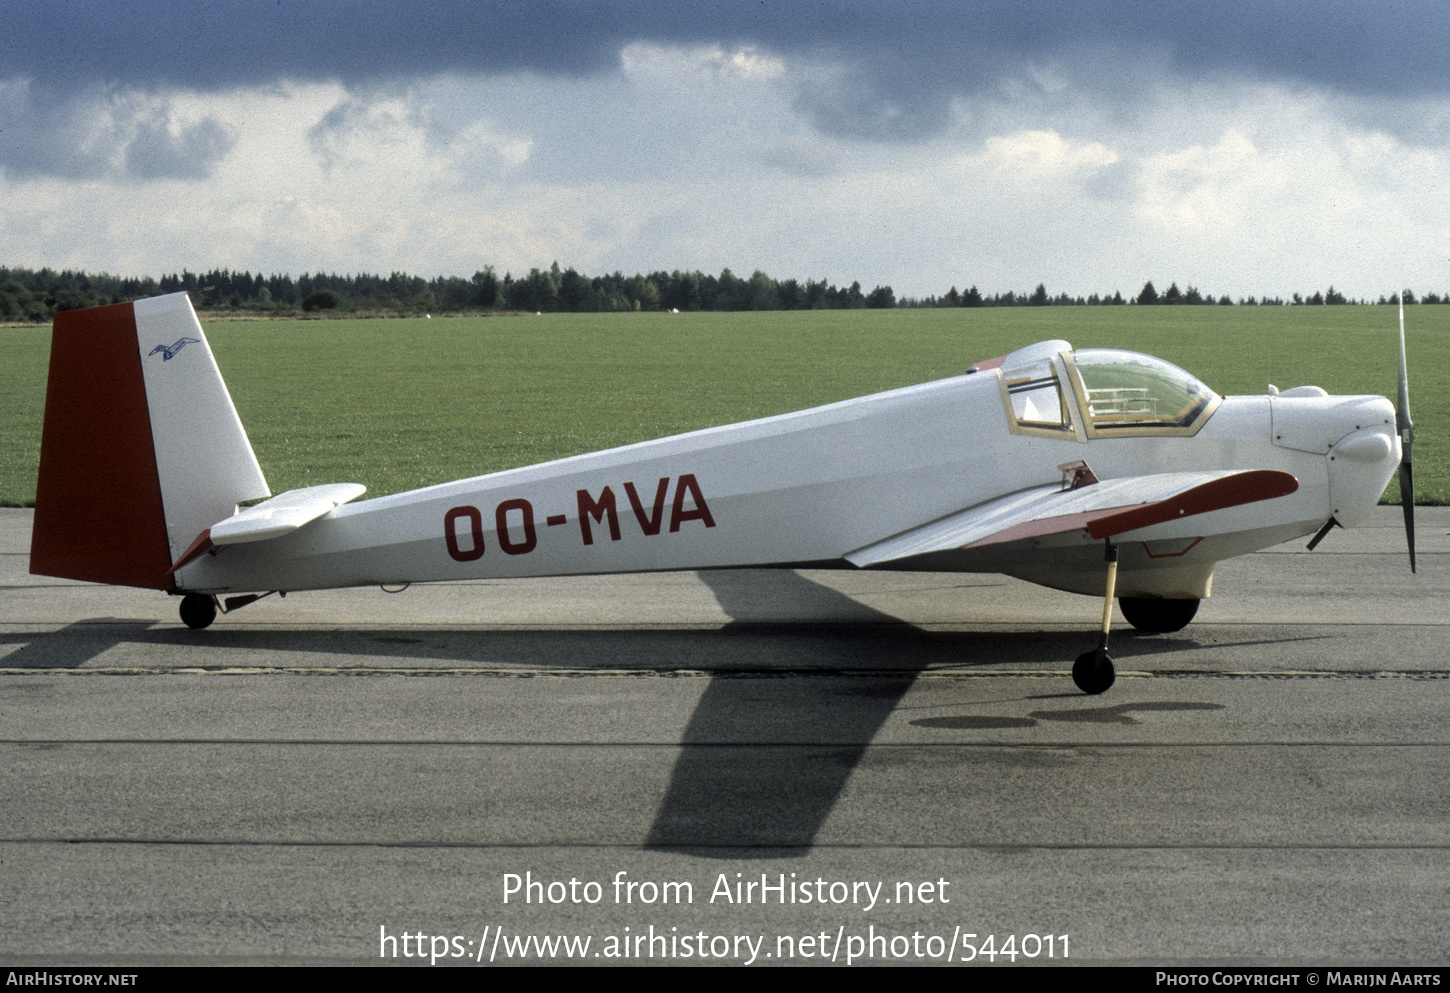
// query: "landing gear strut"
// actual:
[[198, 610], [1093, 671]]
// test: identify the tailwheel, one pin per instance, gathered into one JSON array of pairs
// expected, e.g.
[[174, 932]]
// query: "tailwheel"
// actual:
[[1093, 672], [198, 610], [1159, 616]]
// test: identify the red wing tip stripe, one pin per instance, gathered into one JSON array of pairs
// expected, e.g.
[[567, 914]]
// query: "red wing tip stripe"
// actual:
[[194, 551], [1218, 494]]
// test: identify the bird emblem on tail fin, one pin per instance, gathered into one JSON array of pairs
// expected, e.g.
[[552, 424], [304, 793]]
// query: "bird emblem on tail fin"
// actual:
[[169, 351]]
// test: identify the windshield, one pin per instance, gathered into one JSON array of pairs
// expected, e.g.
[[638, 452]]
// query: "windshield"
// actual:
[[1129, 390]]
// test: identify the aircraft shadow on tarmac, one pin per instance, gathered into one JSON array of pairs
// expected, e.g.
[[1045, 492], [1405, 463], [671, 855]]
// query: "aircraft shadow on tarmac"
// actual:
[[735, 793], [789, 711], [736, 649]]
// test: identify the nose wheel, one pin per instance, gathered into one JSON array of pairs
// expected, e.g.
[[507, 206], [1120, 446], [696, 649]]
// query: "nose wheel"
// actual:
[[1093, 672]]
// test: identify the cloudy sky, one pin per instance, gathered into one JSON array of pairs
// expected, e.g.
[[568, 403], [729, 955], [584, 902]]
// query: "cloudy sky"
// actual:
[[1246, 147]]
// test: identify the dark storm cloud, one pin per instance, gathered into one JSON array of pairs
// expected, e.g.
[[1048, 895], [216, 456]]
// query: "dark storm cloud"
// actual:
[[224, 44], [1347, 45], [897, 66]]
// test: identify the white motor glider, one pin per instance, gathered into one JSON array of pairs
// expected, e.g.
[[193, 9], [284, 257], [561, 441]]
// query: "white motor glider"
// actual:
[[1097, 471]]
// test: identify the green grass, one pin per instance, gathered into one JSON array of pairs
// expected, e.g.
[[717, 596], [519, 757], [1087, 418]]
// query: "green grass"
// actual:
[[405, 403]]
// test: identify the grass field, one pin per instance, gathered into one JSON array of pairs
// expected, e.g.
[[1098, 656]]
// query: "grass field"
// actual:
[[397, 404]]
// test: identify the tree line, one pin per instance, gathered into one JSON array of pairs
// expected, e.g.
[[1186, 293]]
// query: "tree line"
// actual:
[[35, 295], [1149, 296]]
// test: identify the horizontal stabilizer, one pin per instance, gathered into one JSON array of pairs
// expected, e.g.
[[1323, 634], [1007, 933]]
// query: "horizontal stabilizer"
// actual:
[[280, 515], [1103, 510], [284, 512]]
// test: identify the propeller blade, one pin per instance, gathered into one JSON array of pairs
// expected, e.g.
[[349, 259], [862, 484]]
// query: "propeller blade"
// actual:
[[1406, 429], [1407, 502], [1314, 542]]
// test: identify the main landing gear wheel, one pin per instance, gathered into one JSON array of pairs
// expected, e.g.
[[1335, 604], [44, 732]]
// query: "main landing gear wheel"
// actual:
[[1158, 616], [197, 610], [1093, 672]]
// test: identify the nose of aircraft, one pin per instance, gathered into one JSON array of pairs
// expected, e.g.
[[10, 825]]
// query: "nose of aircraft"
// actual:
[[1356, 434]]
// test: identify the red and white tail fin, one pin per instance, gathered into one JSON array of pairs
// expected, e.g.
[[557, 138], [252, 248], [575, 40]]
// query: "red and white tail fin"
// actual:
[[142, 448]]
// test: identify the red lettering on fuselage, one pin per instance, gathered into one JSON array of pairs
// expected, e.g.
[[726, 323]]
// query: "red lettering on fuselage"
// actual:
[[475, 528], [650, 524], [678, 513], [505, 541], [601, 510]]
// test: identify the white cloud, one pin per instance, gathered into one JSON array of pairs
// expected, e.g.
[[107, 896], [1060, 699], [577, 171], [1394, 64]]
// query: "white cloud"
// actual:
[[1200, 187], [1030, 156]]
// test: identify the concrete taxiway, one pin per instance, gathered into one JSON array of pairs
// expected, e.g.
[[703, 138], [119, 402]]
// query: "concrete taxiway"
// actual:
[[896, 762]]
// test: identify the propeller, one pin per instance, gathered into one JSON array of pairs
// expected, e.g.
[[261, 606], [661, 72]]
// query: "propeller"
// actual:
[[1406, 429]]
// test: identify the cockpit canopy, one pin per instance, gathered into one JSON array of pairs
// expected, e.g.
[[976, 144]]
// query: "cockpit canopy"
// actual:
[[1123, 389], [1050, 388]]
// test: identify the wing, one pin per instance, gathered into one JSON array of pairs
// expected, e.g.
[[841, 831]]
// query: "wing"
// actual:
[[1102, 510]]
